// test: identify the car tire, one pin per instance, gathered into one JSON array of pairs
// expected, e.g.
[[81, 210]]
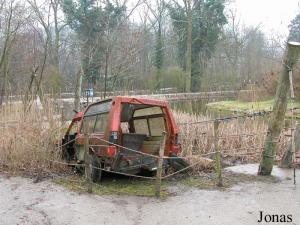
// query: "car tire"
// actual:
[[178, 163]]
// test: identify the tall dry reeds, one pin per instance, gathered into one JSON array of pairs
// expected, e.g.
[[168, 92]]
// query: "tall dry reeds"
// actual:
[[239, 139], [28, 137]]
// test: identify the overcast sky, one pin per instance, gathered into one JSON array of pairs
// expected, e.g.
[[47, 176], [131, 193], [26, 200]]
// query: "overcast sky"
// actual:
[[273, 16]]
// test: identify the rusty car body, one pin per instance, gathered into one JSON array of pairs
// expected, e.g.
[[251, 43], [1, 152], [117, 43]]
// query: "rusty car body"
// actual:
[[118, 125]]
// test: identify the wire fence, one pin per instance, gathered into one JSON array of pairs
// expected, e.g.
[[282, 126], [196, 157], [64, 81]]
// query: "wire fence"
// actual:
[[195, 159], [234, 117]]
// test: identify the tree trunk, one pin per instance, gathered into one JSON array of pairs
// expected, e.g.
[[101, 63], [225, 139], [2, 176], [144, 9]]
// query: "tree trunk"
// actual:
[[3, 90], [78, 90], [5, 53], [279, 109], [57, 37], [188, 47], [288, 155], [159, 56], [105, 72], [57, 42]]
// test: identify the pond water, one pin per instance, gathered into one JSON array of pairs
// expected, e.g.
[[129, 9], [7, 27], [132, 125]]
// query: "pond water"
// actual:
[[199, 107], [196, 107]]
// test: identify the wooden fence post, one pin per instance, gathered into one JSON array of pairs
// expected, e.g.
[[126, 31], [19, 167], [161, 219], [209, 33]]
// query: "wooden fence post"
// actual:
[[87, 158], [62, 114], [160, 164], [279, 109], [218, 163]]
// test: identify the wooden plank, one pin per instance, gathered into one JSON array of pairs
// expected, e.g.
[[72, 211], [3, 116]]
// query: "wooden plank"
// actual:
[[87, 158], [160, 164]]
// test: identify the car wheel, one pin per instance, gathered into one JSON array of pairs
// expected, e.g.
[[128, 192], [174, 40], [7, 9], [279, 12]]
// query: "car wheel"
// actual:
[[178, 163]]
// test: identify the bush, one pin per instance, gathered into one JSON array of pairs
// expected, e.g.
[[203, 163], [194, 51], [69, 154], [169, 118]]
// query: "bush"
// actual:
[[170, 77], [266, 89], [54, 81]]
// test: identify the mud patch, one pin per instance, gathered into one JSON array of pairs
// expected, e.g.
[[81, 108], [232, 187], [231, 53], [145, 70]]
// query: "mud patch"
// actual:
[[47, 203]]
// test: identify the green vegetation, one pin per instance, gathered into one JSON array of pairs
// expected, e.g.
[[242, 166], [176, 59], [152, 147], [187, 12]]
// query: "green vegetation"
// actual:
[[243, 107], [194, 23], [138, 187], [208, 181], [119, 186], [172, 76], [91, 22]]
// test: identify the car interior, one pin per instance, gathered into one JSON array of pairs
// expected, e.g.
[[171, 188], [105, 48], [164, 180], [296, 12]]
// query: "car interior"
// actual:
[[142, 127]]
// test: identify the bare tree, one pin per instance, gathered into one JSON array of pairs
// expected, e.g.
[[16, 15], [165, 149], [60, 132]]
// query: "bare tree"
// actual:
[[158, 11], [11, 23]]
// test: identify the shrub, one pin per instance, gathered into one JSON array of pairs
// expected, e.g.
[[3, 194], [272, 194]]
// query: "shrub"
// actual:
[[28, 139]]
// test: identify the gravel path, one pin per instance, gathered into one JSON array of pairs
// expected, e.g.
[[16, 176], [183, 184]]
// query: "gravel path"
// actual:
[[25, 202]]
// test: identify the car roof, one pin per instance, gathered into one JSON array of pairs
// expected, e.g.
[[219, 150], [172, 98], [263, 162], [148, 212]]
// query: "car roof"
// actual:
[[134, 100]]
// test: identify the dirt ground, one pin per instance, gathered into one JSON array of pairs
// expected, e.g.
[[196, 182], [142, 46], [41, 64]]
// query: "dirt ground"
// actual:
[[25, 202]]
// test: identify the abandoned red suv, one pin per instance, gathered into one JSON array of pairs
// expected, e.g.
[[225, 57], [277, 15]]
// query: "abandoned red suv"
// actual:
[[134, 123]]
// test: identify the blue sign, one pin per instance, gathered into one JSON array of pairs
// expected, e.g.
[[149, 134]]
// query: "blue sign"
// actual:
[[89, 92]]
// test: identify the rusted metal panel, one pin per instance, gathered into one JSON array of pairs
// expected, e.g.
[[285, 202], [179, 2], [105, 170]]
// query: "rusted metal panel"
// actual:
[[108, 143]]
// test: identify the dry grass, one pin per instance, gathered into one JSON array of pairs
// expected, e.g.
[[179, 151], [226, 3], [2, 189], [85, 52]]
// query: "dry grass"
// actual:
[[240, 140], [28, 139]]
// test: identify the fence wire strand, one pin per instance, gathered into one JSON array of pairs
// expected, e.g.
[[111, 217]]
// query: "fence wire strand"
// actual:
[[199, 157]]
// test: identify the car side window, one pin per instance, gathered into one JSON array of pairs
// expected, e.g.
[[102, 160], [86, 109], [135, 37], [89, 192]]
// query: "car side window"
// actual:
[[141, 127], [101, 123], [90, 121], [97, 117], [157, 126]]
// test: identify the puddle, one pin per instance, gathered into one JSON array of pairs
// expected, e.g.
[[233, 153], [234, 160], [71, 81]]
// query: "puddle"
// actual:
[[251, 169]]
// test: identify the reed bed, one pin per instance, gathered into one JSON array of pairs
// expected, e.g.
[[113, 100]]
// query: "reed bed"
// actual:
[[239, 139], [29, 137]]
